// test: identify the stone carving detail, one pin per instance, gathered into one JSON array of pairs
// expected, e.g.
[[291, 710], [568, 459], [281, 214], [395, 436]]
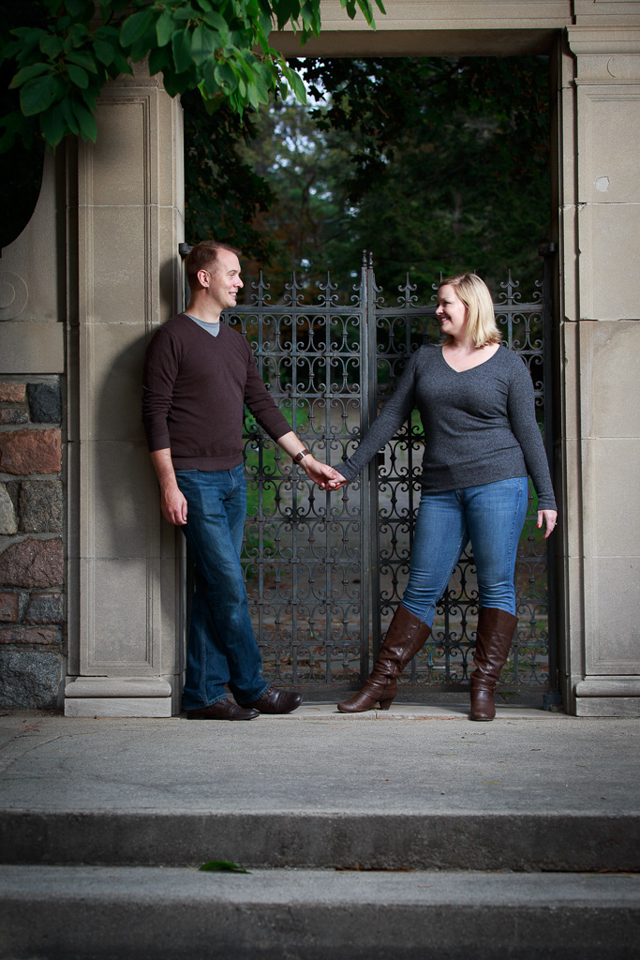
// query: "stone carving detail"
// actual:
[[13, 295]]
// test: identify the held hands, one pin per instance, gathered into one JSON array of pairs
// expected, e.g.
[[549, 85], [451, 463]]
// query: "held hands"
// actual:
[[325, 476], [549, 518], [338, 481]]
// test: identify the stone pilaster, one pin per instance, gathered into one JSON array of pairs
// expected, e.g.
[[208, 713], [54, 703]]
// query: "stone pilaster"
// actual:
[[124, 620], [601, 388]]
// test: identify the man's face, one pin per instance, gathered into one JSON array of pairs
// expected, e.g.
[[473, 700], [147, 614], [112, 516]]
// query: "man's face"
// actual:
[[224, 280]]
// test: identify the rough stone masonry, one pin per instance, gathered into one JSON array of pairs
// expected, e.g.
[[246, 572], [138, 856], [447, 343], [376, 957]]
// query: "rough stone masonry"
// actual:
[[31, 544]]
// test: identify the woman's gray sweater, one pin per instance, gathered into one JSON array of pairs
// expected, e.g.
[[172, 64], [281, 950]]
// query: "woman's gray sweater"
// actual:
[[479, 424]]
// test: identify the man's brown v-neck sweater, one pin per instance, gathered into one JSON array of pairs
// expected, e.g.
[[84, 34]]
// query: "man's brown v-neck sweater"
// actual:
[[194, 390]]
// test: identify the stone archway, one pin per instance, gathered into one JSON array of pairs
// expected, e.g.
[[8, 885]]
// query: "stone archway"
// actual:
[[113, 219]]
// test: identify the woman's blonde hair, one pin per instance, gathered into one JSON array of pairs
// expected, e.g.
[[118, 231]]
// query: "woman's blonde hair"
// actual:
[[481, 320]]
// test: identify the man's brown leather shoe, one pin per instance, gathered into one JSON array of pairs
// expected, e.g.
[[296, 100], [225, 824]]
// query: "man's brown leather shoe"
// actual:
[[277, 701], [222, 710]]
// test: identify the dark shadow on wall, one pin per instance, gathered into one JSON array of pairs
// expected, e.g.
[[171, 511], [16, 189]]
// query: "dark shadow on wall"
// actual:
[[129, 524]]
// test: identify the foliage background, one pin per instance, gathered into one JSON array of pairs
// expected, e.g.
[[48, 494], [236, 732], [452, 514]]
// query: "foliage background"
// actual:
[[434, 165]]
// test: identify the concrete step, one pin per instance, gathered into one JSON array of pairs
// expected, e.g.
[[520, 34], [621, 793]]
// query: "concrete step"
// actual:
[[325, 840], [415, 788], [94, 913]]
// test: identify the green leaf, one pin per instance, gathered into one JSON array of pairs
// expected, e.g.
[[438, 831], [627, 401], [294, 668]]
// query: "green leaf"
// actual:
[[296, 85], [37, 95], [365, 7], [134, 27], [52, 124], [174, 83], [78, 76], [78, 7], [90, 96], [262, 90], [76, 37], [224, 866], [310, 13], [69, 117], [10, 50], [86, 121], [104, 52], [251, 96], [367, 10], [143, 44], [286, 10], [51, 46], [265, 22], [28, 73], [110, 7], [159, 59], [30, 36], [226, 77], [208, 86], [186, 13], [83, 59], [120, 64], [213, 19], [181, 46], [165, 28], [245, 62], [213, 104], [106, 32], [203, 44]]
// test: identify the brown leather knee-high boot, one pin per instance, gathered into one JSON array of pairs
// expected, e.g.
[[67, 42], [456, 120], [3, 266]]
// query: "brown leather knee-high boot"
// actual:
[[406, 635], [493, 642]]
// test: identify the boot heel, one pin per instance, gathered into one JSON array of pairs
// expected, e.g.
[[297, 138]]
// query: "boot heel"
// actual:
[[385, 704]]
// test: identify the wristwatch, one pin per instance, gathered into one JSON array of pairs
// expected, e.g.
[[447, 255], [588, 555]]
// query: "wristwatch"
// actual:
[[299, 457]]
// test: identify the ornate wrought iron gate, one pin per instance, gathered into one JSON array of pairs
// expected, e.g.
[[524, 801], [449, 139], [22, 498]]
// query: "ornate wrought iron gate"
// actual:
[[326, 570]]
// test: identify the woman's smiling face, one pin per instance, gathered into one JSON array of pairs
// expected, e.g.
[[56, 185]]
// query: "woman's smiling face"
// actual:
[[451, 312]]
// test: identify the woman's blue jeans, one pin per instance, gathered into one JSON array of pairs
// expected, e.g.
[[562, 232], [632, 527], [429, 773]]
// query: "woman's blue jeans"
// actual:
[[492, 516], [221, 645]]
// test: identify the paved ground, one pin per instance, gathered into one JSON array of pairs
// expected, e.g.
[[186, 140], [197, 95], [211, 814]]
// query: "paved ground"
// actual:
[[410, 760]]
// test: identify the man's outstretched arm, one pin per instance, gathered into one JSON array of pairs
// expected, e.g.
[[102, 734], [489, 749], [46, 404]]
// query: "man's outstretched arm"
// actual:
[[172, 501]]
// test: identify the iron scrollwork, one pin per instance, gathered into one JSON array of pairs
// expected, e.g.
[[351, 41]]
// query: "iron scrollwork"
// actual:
[[326, 571]]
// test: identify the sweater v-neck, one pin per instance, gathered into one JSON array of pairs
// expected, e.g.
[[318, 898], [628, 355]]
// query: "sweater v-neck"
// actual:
[[468, 369], [201, 324]]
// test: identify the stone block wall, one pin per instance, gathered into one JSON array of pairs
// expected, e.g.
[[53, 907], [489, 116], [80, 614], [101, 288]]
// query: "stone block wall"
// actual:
[[32, 634]]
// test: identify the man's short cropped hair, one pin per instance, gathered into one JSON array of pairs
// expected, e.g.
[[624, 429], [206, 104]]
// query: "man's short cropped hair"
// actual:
[[203, 256]]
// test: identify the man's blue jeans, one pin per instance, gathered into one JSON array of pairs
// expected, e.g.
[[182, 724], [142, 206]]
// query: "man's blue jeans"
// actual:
[[492, 516], [221, 646]]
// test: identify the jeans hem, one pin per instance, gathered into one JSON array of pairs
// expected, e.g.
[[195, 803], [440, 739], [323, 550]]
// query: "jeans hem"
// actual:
[[202, 706], [246, 703]]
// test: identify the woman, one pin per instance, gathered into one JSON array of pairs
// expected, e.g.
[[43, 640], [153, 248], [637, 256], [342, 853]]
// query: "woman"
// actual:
[[481, 439]]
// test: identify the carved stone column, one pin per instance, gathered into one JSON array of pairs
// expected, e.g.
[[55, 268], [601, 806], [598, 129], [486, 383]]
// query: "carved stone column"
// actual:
[[125, 222], [600, 211]]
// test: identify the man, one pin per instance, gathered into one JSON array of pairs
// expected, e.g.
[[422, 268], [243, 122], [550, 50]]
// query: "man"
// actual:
[[198, 374]]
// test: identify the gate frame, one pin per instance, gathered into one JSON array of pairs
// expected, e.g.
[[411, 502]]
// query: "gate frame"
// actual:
[[269, 327]]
